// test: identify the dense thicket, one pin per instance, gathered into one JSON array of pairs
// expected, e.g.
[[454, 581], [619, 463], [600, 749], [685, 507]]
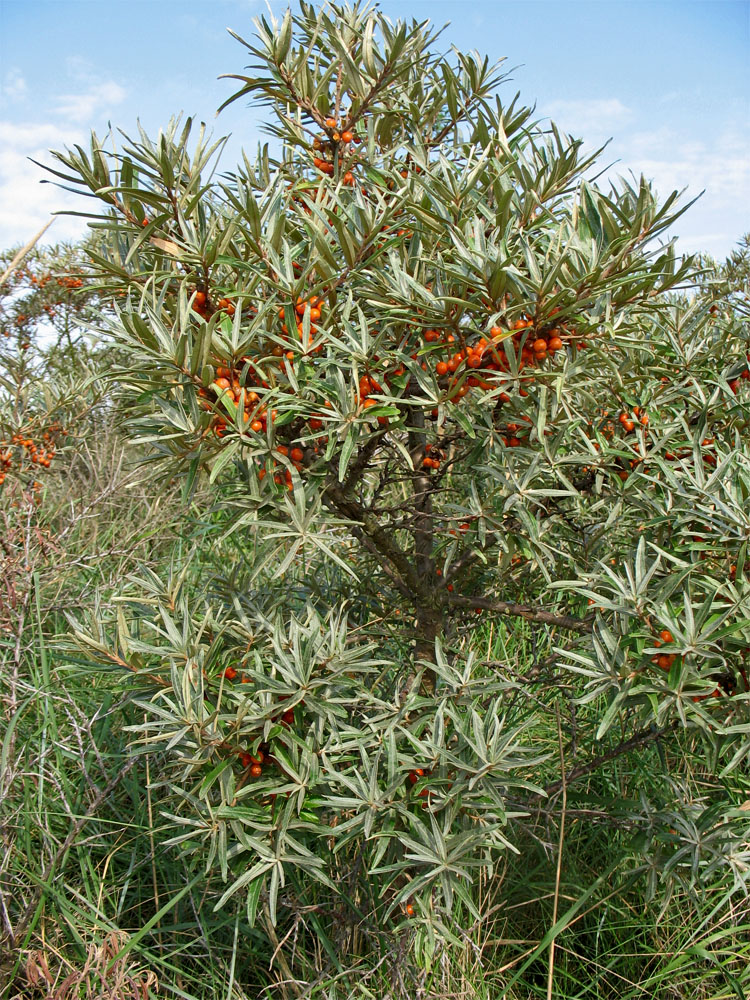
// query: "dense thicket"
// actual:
[[449, 613]]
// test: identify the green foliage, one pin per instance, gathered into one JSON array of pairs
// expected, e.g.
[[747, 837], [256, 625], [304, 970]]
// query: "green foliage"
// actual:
[[427, 370]]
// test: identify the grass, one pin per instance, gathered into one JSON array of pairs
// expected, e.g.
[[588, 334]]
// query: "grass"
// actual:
[[93, 903]]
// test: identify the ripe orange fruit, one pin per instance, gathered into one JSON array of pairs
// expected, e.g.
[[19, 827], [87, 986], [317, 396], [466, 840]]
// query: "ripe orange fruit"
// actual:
[[230, 673], [256, 770], [409, 910], [666, 636]]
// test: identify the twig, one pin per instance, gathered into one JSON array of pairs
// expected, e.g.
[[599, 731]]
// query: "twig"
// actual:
[[640, 739], [278, 954], [551, 969], [531, 614], [22, 253]]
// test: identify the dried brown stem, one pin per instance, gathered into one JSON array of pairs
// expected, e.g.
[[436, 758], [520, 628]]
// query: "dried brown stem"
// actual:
[[536, 615]]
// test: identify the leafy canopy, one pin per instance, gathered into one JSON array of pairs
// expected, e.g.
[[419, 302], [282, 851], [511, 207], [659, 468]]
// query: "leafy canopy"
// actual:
[[435, 375]]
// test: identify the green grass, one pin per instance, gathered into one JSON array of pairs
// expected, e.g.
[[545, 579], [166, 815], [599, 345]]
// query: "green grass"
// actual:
[[92, 898]]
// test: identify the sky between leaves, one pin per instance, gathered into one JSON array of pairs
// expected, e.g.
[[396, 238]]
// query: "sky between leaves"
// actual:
[[667, 80]]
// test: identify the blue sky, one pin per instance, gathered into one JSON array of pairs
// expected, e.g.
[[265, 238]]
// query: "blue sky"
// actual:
[[667, 80]]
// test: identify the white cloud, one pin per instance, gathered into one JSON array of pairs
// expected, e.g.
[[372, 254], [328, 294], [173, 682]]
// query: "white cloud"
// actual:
[[588, 118], [26, 135], [85, 105], [717, 163], [719, 167], [25, 203], [79, 68], [14, 86]]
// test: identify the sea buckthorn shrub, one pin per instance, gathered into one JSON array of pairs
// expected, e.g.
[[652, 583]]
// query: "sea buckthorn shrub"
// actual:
[[452, 398]]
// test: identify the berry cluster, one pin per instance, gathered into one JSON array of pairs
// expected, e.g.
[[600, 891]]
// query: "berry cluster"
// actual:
[[232, 386], [664, 660], [69, 283], [312, 308], [205, 307], [334, 145], [486, 354], [253, 761], [743, 376], [23, 451]]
